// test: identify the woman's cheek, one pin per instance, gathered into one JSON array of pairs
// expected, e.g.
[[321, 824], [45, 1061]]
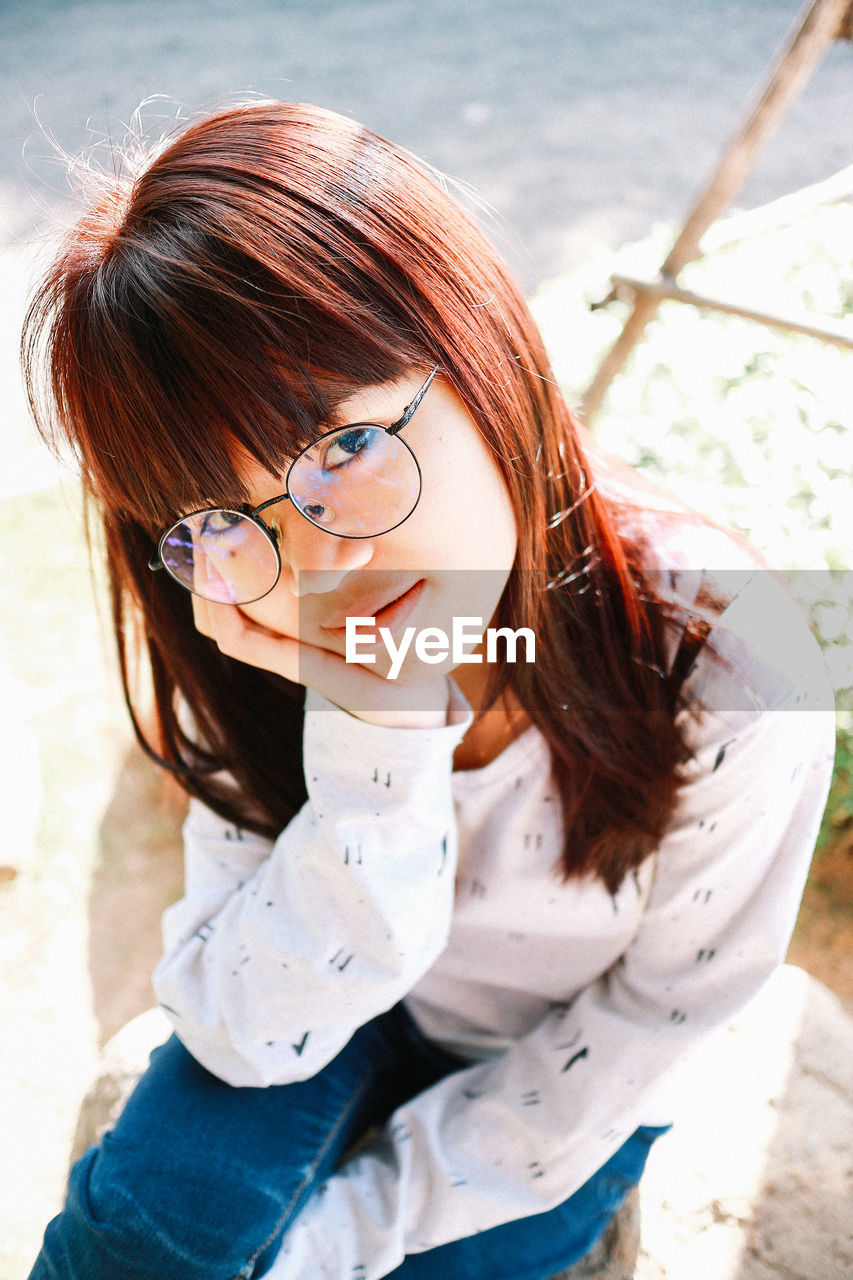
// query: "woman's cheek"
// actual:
[[278, 613]]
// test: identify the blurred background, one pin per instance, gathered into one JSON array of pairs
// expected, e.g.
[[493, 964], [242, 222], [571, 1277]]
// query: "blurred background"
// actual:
[[583, 132]]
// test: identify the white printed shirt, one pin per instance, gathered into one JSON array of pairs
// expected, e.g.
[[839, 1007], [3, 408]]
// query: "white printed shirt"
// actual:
[[401, 880]]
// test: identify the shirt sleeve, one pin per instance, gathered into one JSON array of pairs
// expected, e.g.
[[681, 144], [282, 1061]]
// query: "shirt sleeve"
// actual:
[[516, 1136], [280, 950]]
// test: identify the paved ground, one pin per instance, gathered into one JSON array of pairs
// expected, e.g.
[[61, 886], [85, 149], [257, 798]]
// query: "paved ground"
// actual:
[[581, 123]]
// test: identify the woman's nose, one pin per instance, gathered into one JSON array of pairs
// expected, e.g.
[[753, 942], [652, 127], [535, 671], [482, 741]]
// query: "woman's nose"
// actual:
[[314, 561]]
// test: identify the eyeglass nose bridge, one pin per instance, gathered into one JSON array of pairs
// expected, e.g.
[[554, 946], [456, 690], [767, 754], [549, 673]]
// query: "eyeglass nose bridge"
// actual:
[[255, 514]]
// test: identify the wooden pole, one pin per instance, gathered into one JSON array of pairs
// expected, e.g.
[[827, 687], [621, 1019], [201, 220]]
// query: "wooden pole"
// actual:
[[822, 23], [819, 28]]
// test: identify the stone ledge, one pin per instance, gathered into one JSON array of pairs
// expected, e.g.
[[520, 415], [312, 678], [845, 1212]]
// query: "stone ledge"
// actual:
[[756, 1181], [122, 1061]]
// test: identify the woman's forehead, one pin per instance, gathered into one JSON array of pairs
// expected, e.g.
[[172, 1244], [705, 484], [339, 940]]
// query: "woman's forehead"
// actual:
[[382, 402]]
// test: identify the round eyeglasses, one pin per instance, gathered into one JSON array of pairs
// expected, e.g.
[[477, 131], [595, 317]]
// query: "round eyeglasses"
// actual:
[[358, 481]]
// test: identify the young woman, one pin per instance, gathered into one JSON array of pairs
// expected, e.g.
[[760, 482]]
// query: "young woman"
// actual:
[[450, 925]]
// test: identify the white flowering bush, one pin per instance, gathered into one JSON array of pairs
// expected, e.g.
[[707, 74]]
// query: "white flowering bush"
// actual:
[[745, 422], [748, 423]]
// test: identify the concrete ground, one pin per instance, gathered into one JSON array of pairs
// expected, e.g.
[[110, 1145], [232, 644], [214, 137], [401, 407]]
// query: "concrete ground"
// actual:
[[577, 125], [581, 124]]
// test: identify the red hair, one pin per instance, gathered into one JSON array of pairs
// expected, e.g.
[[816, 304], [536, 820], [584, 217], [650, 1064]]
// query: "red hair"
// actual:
[[272, 259]]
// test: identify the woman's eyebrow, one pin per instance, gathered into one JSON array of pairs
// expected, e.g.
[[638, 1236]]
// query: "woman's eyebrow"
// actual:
[[383, 417], [337, 417]]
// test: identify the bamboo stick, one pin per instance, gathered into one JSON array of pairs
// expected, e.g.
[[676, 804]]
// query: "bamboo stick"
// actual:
[[661, 289], [818, 29]]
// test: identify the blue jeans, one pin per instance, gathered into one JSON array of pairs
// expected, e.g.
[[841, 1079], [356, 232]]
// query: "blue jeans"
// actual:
[[199, 1180]]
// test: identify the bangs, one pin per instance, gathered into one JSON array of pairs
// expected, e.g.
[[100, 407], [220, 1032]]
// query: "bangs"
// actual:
[[268, 264], [193, 334], [177, 383]]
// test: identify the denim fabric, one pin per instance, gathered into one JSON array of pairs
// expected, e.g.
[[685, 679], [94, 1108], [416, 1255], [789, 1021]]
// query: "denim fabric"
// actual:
[[199, 1180]]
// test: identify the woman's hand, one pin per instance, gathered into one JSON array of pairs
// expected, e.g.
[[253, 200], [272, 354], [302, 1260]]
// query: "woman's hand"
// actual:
[[365, 695]]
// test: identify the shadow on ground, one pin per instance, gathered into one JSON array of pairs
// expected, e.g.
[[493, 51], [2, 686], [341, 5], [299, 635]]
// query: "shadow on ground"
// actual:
[[139, 873]]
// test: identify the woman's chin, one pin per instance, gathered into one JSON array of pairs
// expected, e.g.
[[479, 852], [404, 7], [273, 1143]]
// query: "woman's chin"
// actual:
[[412, 671]]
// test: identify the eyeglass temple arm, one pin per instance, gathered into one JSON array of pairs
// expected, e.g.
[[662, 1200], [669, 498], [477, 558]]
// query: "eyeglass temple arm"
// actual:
[[410, 408]]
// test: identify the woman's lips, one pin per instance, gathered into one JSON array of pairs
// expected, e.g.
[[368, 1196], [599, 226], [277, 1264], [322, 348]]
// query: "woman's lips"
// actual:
[[391, 615]]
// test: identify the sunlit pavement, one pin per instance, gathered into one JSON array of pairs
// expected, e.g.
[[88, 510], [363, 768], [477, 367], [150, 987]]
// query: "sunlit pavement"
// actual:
[[579, 125]]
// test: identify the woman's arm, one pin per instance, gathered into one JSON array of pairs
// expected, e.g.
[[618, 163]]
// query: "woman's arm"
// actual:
[[279, 952]]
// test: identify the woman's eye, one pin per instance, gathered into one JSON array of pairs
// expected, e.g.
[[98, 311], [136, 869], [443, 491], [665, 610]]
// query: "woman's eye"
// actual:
[[346, 446], [221, 521]]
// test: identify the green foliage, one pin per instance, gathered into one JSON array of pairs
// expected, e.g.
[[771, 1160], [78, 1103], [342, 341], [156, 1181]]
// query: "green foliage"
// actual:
[[838, 817]]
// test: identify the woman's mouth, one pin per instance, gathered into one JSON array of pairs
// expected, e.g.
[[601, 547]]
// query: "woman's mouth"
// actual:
[[392, 614]]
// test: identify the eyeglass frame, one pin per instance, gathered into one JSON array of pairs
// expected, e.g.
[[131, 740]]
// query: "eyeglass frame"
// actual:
[[253, 513]]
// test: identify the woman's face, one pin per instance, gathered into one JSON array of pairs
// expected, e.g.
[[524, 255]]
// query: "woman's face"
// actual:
[[450, 559]]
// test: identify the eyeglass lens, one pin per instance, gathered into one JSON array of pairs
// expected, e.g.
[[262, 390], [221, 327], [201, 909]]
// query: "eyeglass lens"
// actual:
[[358, 482], [222, 555]]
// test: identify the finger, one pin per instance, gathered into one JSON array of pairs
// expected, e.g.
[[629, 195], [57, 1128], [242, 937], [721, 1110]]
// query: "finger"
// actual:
[[349, 685], [201, 617], [370, 696], [238, 636]]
